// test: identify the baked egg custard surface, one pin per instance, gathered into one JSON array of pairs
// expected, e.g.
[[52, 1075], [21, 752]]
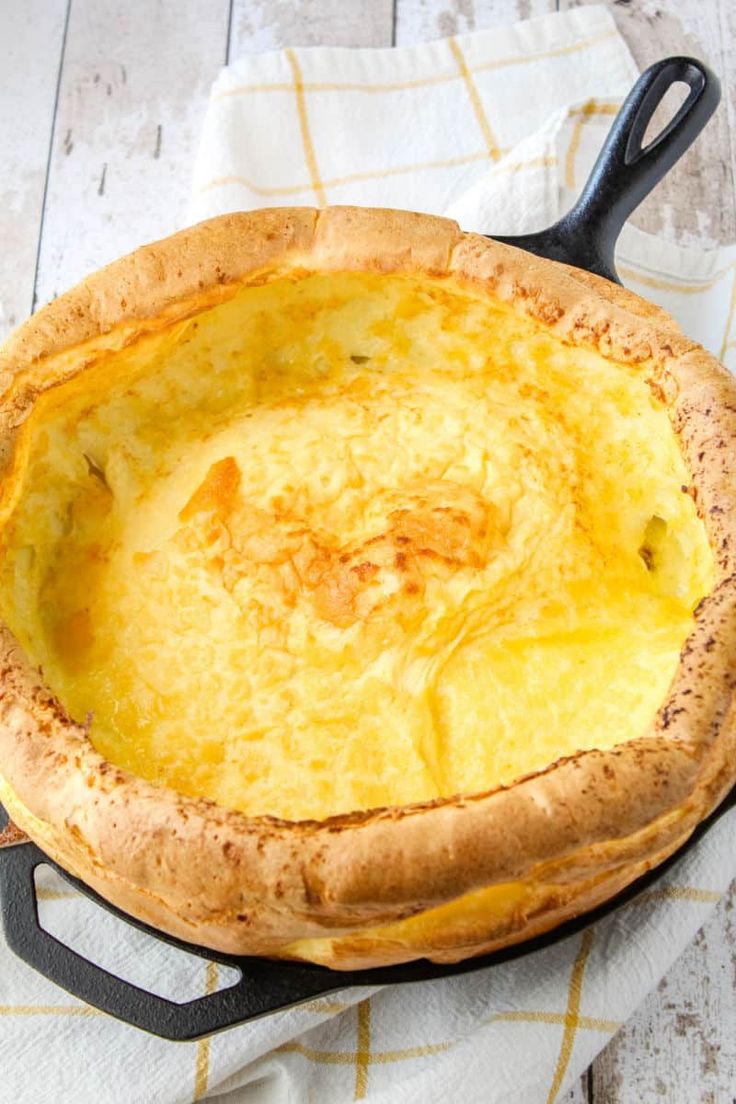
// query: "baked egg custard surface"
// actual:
[[352, 540]]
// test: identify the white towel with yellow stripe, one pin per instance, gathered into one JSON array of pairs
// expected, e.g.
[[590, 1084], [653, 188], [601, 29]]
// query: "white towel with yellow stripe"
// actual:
[[498, 130]]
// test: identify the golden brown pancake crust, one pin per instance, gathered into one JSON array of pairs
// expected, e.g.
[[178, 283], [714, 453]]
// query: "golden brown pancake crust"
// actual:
[[572, 834]]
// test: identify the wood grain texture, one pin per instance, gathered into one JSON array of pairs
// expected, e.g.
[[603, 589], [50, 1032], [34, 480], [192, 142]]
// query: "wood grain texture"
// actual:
[[680, 1048], [134, 85], [272, 24], [696, 202], [421, 20], [32, 34], [727, 33]]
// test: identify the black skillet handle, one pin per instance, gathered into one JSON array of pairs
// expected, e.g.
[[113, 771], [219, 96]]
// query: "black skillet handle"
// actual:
[[625, 173], [259, 991]]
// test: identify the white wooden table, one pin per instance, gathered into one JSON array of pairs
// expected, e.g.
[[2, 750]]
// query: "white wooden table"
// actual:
[[100, 107]]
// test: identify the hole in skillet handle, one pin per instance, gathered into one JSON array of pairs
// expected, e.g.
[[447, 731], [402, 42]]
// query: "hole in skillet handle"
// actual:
[[625, 173], [111, 942], [265, 985]]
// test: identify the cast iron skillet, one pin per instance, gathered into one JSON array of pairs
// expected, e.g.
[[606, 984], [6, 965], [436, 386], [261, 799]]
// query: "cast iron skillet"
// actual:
[[585, 237]]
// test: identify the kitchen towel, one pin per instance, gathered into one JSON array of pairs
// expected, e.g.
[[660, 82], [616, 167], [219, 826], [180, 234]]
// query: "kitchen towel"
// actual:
[[498, 130]]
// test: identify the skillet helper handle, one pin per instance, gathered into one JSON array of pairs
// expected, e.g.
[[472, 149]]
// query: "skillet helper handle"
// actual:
[[625, 172], [254, 995]]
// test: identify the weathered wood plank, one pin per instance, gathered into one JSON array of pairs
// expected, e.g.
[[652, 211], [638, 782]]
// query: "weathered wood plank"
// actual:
[[265, 25], [420, 20], [697, 200], [134, 85], [727, 74], [680, 1047], [32, 34]]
